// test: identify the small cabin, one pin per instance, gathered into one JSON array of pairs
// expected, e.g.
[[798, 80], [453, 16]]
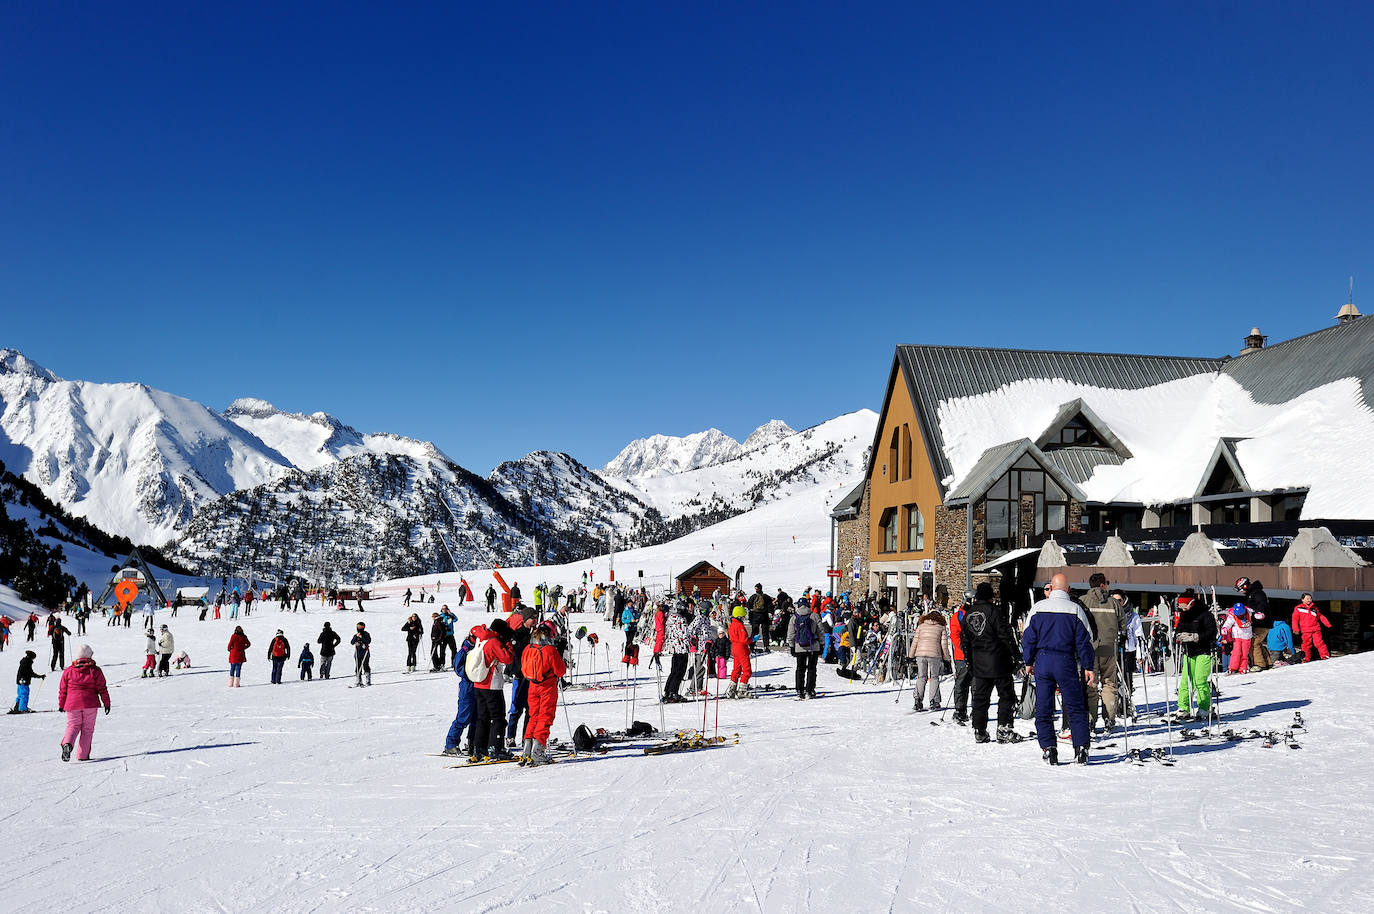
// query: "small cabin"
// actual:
[[704, 577]]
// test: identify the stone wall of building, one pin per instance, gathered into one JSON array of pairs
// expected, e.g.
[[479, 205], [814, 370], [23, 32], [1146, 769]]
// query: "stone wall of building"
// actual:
[[950, 548], [851, 539]]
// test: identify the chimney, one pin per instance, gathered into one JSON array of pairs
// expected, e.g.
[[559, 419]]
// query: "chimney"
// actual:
[[1254, 342], [1348, 311]]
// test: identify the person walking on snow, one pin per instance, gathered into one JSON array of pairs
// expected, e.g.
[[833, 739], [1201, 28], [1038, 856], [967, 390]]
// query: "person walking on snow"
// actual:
[[328, 641], [804, 639], [362, 655], [59, 633], [238, 655], [278, 651], [739, 653], [31, 624], [930, 648], [22, 681], [1308, 623], [80, 693], [414, 630], [436, 643], [453, 743], [1056, 645], [543, 666], [306, 662], [149, 656]]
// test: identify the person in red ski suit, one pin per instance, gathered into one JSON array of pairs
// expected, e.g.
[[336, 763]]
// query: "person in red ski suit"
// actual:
[[542, 665], [739, 653], [1308, 622]]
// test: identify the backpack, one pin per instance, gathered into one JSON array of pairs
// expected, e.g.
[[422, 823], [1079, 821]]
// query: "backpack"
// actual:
[[806, 638], [583, 738], [476, 665]]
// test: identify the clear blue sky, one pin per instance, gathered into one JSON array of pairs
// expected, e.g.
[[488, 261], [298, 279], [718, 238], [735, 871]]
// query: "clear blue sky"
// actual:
[[506, 227]]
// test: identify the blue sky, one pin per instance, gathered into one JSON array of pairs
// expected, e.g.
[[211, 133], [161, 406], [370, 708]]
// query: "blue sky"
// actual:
[[571, 225]]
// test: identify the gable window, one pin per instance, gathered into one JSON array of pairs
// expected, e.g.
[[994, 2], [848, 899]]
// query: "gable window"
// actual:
[[894, 456], [915, 529], [1223, 480], [906, 452], [1075, 433], [889, 525]]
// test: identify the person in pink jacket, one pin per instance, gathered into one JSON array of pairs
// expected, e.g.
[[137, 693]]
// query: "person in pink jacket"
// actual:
[[80, 693], [1308, 622], [1241, 632]]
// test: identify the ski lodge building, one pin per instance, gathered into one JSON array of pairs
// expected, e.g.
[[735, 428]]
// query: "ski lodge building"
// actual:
[[1163, 472]]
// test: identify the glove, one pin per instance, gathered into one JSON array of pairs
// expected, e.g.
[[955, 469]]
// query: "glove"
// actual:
[[1186, 637], [561, 644], [60, 709], [107, 709]]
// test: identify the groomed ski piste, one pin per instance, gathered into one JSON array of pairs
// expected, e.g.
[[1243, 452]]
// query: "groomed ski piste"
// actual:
[[313, 796]]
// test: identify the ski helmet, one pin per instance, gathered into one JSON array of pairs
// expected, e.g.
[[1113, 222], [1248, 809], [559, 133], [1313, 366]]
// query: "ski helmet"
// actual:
[[1242, 583], [1239, 610], [738, 612]]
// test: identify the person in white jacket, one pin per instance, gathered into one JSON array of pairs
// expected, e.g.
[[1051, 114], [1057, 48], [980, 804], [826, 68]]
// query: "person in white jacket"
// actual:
[[1134, 634], [166, 644]]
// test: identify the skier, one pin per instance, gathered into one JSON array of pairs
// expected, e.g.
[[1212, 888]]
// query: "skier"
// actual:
[[670, 635], [1134, 635], [306, 662], [989, 646], [149, 656], [31, 624], [1240, 630], [1196, 634], [930, 648], [739, 653], [1109, 621], [299, 593], [328, 641], [699, 634], [491, 645], [542, 665], [4, 632], [278, 651], [436, 643], [1308, 622], [238, 655], [803, 639], [406, 600], [963, 678], [362, 655], [80, 693], [519, 625], [166, 645], [1056, 644], [491, 598], [449, 619], [59, 633], [22, 681], [414, 630], [467, 700]]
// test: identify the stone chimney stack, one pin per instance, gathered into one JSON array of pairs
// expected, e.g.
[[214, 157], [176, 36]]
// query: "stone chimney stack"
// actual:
[[1254, 342]]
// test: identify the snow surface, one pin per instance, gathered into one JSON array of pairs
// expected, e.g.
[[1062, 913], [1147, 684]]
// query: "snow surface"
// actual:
[[1322, 439], [317, 797]]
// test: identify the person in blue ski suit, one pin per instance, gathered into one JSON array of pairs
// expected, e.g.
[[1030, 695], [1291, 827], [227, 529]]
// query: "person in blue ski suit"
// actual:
[[453, 743], [1057, 644]]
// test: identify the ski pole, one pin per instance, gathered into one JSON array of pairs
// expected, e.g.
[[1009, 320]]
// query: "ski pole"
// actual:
[[567, 718], [658, 667], [717, 706]]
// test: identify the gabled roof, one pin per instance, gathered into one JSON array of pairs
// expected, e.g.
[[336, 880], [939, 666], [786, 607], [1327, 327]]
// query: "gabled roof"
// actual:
[[1076, 407], [934, 374], [1279, 373], [1079, 463], [1225, 450], [997, 460], [851, 503], [697, 567]]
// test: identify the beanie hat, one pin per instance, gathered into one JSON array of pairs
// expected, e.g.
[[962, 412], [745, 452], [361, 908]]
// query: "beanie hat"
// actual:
[[84, 652], [738, 612]]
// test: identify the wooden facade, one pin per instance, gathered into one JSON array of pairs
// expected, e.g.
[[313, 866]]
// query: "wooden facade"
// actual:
[[704, 577]]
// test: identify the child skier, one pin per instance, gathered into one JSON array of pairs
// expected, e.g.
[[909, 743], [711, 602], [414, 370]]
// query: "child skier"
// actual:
[[1241, 632], [22, 681], [150, 656], [306, 662], [739, 652]]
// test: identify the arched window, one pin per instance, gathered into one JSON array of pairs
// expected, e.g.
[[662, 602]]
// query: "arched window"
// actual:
[[894, 456], [906, 451]]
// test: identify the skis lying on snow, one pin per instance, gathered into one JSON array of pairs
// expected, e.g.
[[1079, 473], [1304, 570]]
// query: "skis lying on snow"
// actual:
[[1141, 756], [691, 741], [1270, 738]]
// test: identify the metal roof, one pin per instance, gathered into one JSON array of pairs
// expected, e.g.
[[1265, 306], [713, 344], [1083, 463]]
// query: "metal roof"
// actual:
[[1278, 373], [850, 503], [938, 373], [1078, 463]]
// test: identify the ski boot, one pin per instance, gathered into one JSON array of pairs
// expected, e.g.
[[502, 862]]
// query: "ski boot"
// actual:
[[918, 705], [1050, 755], [733, 691], [1080, 755], [981, 736], [66, 752], [526, 754], [452, 752], [961, 718], [1008, 735]]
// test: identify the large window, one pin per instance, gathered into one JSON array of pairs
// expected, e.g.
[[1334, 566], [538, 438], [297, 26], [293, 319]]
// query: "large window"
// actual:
[[894, 456], [889, 522], [1111, 518], [1176, 515], [1049, 506], [915, 529], [1231, 512], [906, 452]]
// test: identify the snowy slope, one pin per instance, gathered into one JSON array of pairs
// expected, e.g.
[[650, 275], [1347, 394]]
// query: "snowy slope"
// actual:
[[317, 797]]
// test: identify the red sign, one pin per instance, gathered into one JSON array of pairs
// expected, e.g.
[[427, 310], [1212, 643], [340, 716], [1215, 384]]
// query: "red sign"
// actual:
[[834, 573]]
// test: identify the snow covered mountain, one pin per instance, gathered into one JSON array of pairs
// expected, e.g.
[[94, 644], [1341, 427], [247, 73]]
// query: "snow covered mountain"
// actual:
[[658, 455], [134, 461], [318, 440]]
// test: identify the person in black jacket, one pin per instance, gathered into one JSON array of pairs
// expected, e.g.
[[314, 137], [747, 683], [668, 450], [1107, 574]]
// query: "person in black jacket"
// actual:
[[328, 640], [437, 645], [22, 681], [415, 630], [58, 632], [1196, 635], [990, 650]]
